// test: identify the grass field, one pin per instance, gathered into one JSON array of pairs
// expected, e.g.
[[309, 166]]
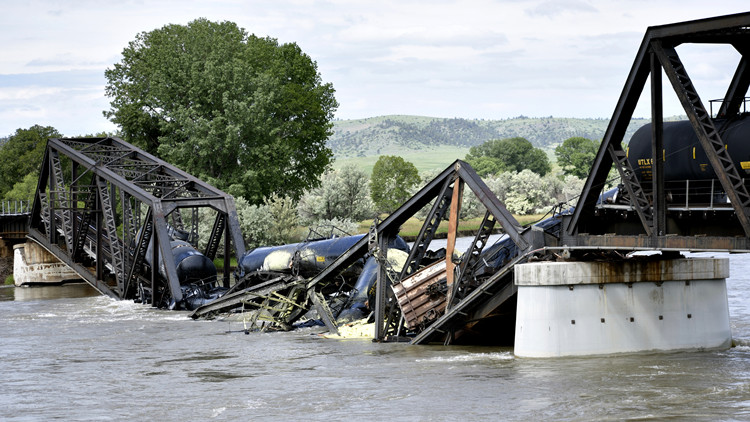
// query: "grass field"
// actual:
[[437, 158]]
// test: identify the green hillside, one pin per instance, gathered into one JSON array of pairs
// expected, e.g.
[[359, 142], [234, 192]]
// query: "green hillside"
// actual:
[[433, 143], [437, 157]]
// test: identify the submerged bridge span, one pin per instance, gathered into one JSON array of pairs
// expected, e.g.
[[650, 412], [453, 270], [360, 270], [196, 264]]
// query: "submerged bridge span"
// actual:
[[111, 211]]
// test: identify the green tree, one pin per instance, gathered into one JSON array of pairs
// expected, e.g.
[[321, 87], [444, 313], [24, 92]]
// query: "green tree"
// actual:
[[24, 189], [391, 182], [342, 194], [530, 193], [256, 223], [246, 114], [510, 154], [576, 155], [285, 220], [21, 156]]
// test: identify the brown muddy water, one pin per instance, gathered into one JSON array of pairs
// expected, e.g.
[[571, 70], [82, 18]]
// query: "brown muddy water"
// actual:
[[69, 354]]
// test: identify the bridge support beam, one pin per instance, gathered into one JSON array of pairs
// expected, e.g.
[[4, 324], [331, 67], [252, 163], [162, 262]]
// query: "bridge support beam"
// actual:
[[633, 305]]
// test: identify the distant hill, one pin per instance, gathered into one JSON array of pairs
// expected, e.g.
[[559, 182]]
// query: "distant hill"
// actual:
[[436, 142], [377, 135]]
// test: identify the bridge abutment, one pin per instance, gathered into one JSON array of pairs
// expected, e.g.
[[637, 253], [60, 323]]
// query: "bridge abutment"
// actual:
[[32, 264], [633, 305]]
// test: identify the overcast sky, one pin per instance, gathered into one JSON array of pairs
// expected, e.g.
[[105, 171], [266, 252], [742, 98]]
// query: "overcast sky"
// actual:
[[442, 58]]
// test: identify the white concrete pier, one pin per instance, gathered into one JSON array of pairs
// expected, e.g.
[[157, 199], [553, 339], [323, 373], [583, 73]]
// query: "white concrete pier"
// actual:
[[32, 264], [635, 305]]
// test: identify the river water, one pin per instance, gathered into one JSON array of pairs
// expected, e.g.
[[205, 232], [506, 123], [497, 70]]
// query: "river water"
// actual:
[[69, 354]]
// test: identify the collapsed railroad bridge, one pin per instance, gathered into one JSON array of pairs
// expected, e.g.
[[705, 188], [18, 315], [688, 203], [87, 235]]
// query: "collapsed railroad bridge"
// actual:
[[414, 294], [127, 223], [568, 285]]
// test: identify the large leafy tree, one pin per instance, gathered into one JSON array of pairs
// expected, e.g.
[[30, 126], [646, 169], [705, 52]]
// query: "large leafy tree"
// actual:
[[510, 154], [20, 160], [576, 155], [244, 113], [391, 182]]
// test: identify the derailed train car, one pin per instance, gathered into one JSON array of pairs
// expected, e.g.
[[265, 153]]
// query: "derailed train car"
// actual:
[[196, 273], [350, 298]]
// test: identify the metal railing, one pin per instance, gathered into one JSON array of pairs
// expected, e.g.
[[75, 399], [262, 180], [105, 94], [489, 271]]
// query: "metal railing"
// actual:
[[720, 102], [15, 207]]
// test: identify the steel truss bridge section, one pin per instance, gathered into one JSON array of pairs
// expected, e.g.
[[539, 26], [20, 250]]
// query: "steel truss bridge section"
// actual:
[[108, 210], [653, 225], [471, 297], [439, 193]]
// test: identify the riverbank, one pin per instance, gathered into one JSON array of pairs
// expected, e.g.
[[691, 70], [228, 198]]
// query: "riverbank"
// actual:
[[6, 268]]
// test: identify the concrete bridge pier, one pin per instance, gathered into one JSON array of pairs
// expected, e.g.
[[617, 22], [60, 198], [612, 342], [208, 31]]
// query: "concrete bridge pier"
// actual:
[[32, 264], [634, 305]]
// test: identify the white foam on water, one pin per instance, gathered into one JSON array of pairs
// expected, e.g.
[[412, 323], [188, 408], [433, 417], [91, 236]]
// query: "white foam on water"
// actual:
[[255, 404], [104, 309], [471, 357], [735, 390], [218, 411]]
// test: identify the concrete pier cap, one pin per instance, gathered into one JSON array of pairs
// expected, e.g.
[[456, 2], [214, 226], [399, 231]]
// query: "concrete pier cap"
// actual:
[[625, 306]]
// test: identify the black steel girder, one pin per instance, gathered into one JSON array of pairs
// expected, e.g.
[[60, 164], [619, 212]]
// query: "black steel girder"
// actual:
[[427, 232], [89, 187], [430, 192], [738, 87], [707, 134], [656, 53]]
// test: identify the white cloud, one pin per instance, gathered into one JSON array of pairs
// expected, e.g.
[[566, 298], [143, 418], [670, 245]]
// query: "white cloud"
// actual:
[[73, 112], [559, 7], [482, 58]]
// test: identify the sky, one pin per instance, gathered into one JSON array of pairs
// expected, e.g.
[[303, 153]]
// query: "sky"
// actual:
[[474, 59]]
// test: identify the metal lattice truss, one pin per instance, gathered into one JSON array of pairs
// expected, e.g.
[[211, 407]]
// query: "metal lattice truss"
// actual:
[[439, 192], [282, 302], [100, 203], [657, 55]]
